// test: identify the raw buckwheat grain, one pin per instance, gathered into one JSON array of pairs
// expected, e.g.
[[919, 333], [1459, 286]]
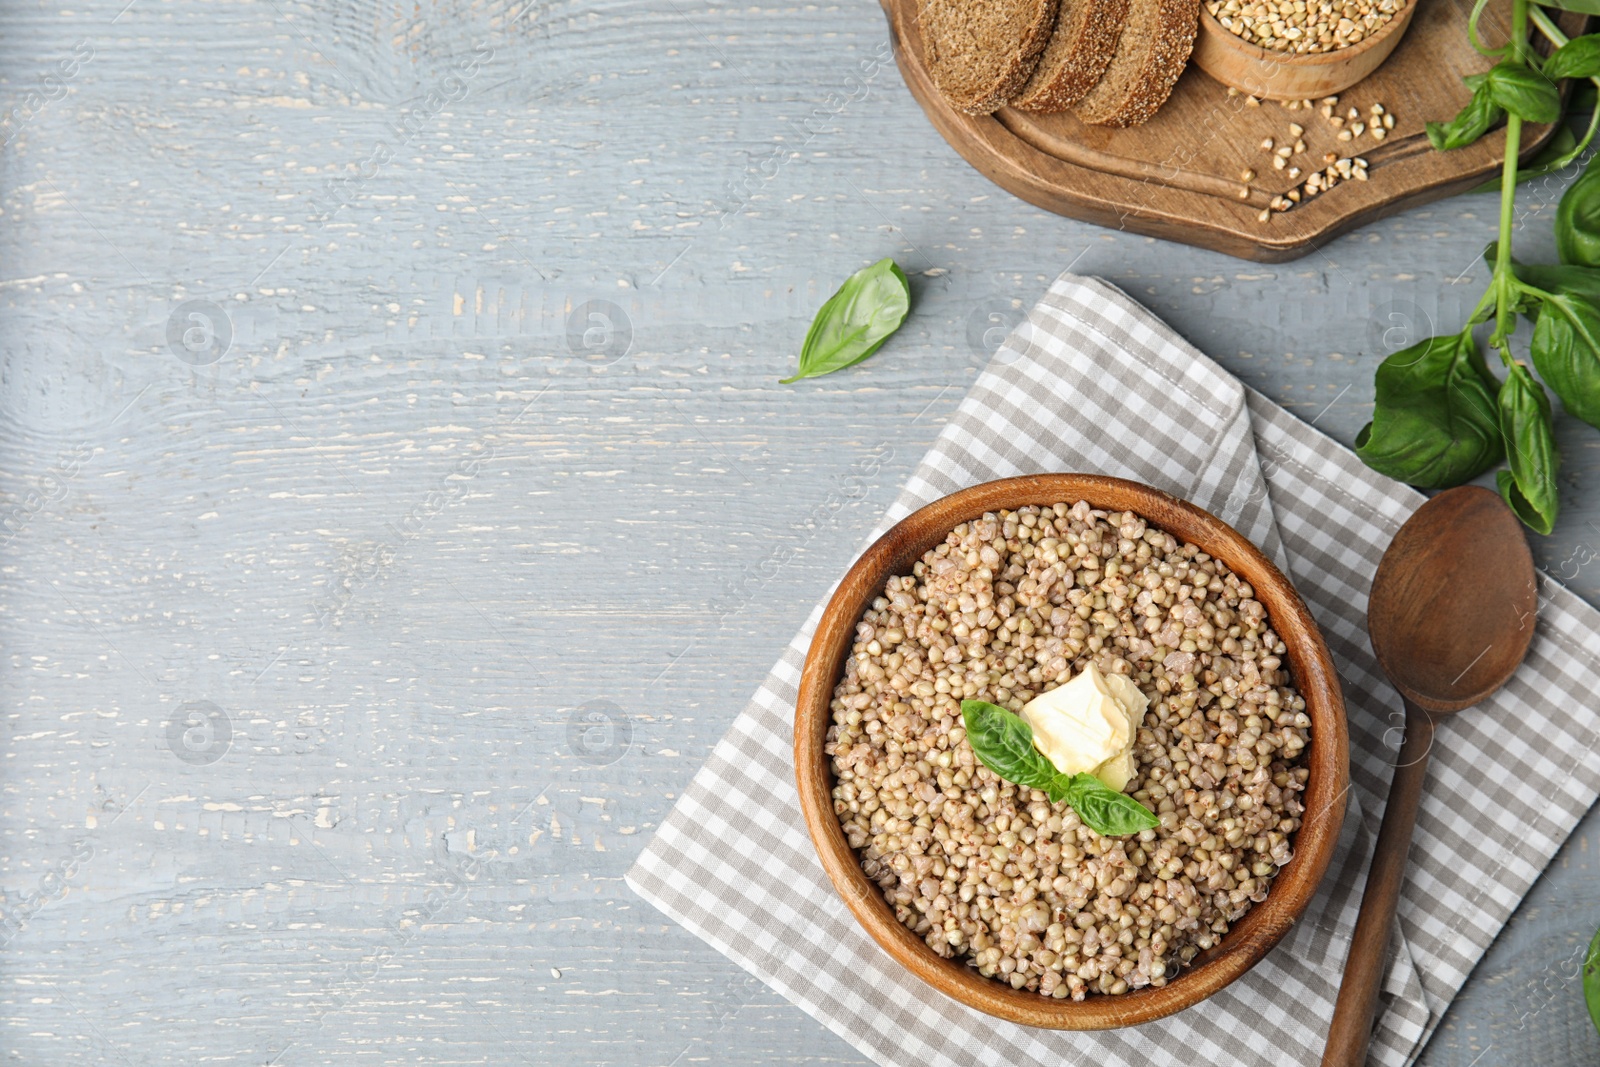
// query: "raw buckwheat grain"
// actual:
[[1304, 26]]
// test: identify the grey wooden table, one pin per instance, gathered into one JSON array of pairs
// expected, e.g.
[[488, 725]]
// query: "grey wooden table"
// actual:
[[399, 500]]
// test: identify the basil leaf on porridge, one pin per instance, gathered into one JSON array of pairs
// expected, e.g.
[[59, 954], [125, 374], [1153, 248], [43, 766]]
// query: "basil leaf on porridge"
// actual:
[[1106, 811], [1005, 745]]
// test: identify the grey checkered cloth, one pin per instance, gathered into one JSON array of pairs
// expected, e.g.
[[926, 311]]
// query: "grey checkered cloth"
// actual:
[[1093, 382]]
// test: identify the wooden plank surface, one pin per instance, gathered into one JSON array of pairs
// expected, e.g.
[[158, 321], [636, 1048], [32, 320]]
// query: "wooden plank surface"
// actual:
[[413, 539]]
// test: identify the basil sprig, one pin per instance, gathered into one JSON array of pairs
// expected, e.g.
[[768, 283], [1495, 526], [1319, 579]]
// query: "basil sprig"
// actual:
[[1440, 416], [1003, 742], [856, 320]]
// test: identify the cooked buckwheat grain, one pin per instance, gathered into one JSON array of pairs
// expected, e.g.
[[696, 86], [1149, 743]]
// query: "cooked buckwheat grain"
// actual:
[[1012, 605]]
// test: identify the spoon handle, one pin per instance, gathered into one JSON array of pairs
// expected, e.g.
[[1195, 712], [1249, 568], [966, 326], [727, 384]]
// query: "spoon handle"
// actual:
[[1351, 1031]]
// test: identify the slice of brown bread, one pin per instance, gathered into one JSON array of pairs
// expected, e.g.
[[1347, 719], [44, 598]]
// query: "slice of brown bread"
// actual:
[[1080, 49], [1154, 47], [981, 52]]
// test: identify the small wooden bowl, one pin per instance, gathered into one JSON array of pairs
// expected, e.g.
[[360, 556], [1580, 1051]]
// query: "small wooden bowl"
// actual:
[[1270, 75], [1327, 756]]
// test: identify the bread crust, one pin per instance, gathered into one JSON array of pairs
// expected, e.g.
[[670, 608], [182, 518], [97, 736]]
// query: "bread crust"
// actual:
[[1164, 61], [1089, 42], [1014, 69]]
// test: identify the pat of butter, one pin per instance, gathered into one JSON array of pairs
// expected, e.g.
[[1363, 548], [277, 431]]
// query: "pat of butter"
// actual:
[[1089, 725]]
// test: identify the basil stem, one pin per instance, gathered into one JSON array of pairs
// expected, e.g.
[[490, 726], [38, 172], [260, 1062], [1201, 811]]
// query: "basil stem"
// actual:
[[1503, 280], [1472, 31]]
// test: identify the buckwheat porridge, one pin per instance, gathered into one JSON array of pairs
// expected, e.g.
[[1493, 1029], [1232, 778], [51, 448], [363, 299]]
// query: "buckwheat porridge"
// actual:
[[1011, 606]]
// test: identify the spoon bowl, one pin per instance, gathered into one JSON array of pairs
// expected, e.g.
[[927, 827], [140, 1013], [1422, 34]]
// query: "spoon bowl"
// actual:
[[1452, 605], [1450, 616]]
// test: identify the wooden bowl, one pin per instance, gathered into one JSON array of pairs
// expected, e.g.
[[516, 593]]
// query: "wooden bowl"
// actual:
[[1327, 756], [1270, 75]]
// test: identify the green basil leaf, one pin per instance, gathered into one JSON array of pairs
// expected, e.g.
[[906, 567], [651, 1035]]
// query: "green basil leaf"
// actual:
[[1578, 58], [1434, 422], [1529, 487], [1059, 787], [1525, 510], [854, 323], [1581, 282], [1523, 92], [1003, 742], [1566, 351], [1582, 7], [1591, 979], [1104, 810], [1578, 220], [1470, 123]]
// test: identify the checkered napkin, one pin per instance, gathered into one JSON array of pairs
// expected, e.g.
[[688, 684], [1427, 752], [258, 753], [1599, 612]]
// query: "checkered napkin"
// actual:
[[1092, 382]]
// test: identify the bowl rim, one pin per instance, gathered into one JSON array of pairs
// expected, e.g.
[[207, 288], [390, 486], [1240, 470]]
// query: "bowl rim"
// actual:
[[1211, 25], [1311, 666]]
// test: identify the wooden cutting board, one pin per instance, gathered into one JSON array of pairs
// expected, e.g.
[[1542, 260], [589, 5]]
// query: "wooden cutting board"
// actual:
[[1178, 176]]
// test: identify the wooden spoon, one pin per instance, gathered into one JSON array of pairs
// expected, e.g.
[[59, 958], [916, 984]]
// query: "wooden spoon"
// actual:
[[1450, 616]]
